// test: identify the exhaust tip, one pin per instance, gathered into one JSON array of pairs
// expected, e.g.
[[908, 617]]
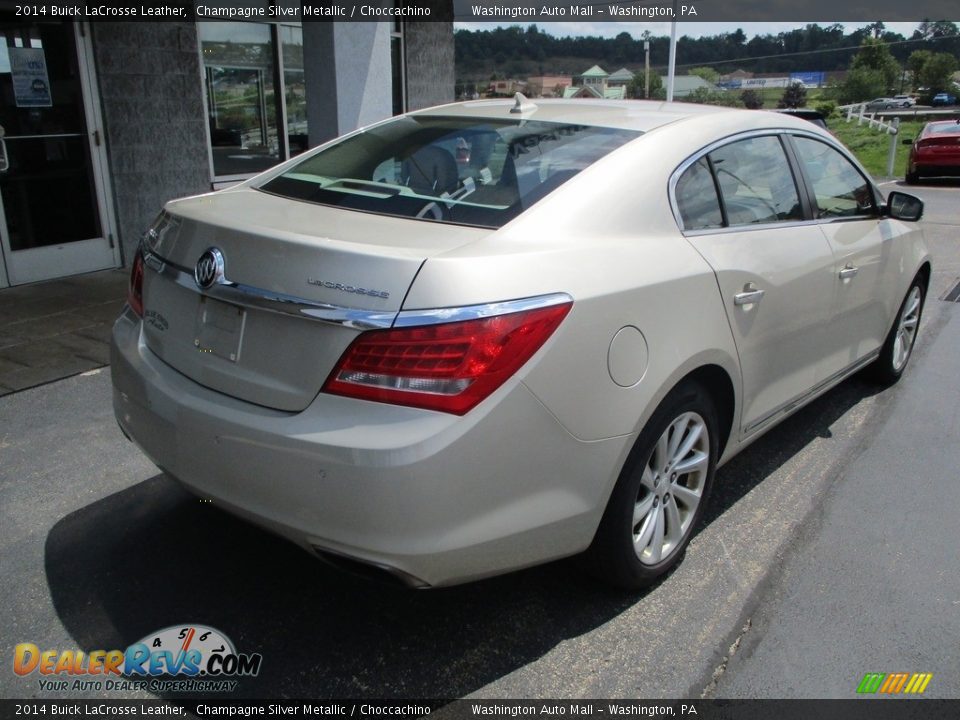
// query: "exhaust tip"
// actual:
[[370, 571]]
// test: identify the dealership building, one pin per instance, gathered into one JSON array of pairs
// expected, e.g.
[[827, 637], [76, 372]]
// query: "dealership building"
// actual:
[[103, 122]]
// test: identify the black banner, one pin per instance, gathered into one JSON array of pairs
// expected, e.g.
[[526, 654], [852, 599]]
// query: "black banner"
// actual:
[[857, 709], [494, 11]]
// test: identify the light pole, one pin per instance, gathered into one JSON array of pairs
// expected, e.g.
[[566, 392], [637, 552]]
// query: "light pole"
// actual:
[[646, 70], [672, 67]]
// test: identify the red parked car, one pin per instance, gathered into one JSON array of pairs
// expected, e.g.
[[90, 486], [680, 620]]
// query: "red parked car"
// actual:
[[936, 151]]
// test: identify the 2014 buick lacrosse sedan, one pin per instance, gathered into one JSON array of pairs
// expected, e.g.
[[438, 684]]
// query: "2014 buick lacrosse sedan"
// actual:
[[486, 335]]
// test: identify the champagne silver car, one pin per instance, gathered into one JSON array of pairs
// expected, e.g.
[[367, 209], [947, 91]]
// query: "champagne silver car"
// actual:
[[486, 335]]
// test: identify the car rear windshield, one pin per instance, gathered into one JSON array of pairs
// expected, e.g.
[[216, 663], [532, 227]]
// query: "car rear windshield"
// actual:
[[481, 172], [949, 128]]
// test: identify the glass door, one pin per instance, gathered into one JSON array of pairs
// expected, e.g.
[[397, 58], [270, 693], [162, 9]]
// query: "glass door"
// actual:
[[52, 199]]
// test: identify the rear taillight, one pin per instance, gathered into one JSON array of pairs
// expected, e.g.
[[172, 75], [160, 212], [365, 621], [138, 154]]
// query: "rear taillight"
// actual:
[[938, 142], [135, 289], [448, 367]]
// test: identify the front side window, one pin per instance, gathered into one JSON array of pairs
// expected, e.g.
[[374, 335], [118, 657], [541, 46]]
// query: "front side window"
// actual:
[[471, 171], [755, 181], [840, 189]]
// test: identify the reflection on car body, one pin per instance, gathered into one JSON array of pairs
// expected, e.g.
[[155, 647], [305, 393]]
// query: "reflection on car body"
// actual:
[[581, 310]]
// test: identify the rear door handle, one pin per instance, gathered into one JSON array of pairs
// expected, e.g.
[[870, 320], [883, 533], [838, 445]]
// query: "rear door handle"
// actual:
[[749, 295], [848, 272]]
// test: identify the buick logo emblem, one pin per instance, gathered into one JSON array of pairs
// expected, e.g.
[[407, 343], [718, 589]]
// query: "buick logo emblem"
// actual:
[[209, 269]]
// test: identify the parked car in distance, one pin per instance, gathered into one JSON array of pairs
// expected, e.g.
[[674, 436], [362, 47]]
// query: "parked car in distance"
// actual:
[[884, 103], [808, 114], [436, 371], [905, 100], [935, 151], [944, 98]]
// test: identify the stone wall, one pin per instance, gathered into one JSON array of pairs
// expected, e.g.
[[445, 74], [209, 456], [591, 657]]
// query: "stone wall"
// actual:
[[430, 70], [154, 118]]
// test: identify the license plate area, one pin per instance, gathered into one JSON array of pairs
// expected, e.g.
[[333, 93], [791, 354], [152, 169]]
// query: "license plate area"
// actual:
[[219, 329]]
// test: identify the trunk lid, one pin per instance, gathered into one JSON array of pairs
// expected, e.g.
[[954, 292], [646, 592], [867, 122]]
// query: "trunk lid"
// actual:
[[255, 342]]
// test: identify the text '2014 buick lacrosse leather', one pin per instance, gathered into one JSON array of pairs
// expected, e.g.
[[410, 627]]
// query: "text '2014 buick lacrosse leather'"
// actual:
[[486, 335]]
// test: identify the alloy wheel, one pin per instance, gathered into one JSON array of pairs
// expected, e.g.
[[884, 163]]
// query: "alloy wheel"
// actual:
[[671, 488], [906, 329]]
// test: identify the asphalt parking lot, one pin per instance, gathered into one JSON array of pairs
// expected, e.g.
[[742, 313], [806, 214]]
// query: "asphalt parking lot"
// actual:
[[99, 550]]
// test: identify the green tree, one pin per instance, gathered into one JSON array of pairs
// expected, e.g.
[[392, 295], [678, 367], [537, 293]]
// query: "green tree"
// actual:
[[751, 99], [707, 73], [875, 55], [941, 28], [794, 96], [635, 88], [861, 84], [936, 73], [827, 107], [915, 63], [708, 96]]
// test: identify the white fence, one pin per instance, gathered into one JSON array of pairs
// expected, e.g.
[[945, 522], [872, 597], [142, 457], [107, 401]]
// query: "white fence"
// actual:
[[859, 110]]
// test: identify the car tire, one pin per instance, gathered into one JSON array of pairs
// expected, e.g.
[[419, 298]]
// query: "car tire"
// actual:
[[912, 178], [661, 493], [898, 347]]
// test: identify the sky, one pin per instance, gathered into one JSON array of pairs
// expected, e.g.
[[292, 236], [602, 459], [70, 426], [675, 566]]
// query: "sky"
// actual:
[[691, 29]]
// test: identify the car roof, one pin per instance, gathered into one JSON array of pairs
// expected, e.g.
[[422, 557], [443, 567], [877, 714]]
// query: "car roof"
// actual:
[[640, 115]]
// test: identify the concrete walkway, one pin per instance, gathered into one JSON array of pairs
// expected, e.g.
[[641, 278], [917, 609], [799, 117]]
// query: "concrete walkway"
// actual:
[[56, 329]]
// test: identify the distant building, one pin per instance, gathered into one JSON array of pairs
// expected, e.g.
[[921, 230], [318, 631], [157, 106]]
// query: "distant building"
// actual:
[[594, 83], [506, 88], [548, 85], [595, 77], [683, 85], [621, 78], [591, 92]]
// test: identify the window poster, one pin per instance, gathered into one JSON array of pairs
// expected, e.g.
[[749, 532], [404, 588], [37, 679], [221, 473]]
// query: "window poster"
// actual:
[[31, 86]]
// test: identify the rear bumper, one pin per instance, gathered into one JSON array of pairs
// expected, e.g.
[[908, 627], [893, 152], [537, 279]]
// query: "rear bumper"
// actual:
[[434, 498], [936, 164]]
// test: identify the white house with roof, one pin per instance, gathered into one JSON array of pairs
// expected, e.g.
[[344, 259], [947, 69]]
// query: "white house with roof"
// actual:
[[621, 78], [594, 84], [595, 77]]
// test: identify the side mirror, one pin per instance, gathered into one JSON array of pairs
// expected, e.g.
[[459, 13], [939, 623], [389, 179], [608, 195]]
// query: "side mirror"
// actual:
[[902, 206], [907, 141]]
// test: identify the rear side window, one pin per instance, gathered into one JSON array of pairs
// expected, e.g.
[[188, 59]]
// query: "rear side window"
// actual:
[[697, 198], [469, 171], [756, 183], [840, 189], [745, 182]]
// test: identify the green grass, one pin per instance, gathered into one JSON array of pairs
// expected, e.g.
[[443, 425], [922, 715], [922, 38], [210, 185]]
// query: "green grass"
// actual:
[[872, 147]]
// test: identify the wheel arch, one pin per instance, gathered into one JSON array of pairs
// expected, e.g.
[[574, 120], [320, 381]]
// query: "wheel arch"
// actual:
[[717, 382], [924, 274]]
